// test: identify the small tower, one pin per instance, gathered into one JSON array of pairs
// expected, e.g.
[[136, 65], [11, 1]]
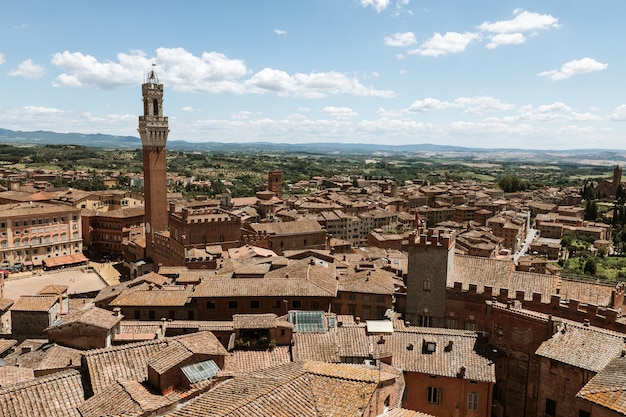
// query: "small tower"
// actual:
[[617, 178], [153, 130], [275, 183], [431, 261]]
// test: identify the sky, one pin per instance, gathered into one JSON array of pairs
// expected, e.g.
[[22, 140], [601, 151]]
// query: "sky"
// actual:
[[484, 73]]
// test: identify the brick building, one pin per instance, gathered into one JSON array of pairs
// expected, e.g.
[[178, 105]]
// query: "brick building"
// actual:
[[31, 233]]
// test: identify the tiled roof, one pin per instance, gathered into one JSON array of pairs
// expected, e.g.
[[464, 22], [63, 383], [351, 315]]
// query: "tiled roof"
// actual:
[[316, 346], [376, 281], [259, 287], [295, 389], [353, 342], [586, 347], [134, 399], [5, 303], [254, 321], [147, 298], [96, 317], [127, 362], [58, 394], [42, 303], [501, 274], [6, 344], [10, 375], [284, 228], [608, 387], [53, 290], [130, 361], [407, 347], [59, 357], [246, 361]]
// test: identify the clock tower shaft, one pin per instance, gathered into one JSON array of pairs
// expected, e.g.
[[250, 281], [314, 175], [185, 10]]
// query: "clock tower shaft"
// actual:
[[153, 130]]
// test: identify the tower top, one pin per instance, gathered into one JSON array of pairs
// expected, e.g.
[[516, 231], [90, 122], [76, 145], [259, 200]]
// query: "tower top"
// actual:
[[152, 78]]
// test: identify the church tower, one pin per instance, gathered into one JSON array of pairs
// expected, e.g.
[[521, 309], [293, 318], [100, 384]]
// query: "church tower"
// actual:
[[153, 130]]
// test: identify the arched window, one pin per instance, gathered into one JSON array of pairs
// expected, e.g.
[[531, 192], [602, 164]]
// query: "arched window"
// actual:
[[155, 107]]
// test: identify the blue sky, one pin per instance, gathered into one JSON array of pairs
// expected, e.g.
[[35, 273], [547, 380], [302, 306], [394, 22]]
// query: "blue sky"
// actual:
[[493, 73]]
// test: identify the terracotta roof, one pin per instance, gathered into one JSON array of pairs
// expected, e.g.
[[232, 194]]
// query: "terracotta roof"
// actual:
[[5, 303], [376, 281], [586, 347], [501, 274], [42, 303], [10, 375], [156, 298], [59, 357], [96, 317], [6, 344], [255, 287], [246, 361], [254, 321], [295, 389], [130, 361], [53, 289], [408, 348], [285, 228], [316, 346], [58, 394], [608, 387]]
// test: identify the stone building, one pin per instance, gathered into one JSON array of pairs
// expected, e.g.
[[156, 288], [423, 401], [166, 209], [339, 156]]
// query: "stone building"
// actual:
[[31, 233]]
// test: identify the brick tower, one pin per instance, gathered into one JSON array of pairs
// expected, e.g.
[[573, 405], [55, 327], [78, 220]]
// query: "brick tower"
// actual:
[[153, 130], [275, 183], [431, 261]]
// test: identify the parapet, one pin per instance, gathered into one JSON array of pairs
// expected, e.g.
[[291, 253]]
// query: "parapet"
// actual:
[[432, 238]]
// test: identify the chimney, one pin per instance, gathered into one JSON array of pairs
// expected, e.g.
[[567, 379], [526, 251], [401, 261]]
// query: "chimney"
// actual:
[[461, 373], [449, 347], [117, 312]]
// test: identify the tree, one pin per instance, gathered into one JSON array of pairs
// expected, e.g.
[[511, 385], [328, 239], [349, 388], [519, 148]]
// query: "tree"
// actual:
[[591, 266], [591, 210]]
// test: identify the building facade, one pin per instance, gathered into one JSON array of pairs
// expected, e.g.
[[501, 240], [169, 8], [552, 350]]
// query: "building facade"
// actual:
[[31, 233]]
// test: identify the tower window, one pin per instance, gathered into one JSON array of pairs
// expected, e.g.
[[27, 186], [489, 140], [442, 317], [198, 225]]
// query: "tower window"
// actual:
[[155, 107]]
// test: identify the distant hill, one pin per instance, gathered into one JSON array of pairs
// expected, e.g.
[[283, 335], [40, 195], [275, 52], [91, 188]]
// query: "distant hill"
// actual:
[[575, 156]]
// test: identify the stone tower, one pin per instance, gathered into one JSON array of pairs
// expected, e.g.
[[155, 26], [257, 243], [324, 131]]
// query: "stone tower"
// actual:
[[275, 183], [153, 130], [431, 261], [617, 178]]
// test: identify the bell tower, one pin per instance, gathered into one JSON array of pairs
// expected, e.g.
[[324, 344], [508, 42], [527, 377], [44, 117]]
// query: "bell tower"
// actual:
[[153, 130]]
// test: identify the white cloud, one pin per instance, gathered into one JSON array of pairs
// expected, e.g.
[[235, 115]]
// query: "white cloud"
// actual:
[[619, 114], [22, 26], [188, 109], [511, 32], [581, 66], [401, 39], [212, 72], [340, 112], [472, 105], [451, 42], [313, 85], [482, 104], [379, 5], [28, 69], [429, 104], [2, 60], [506, 39], [554, 112], [280, 32], [523, 22]]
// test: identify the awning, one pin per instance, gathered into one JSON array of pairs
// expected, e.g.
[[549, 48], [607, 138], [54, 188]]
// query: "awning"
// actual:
[[65, 260]]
